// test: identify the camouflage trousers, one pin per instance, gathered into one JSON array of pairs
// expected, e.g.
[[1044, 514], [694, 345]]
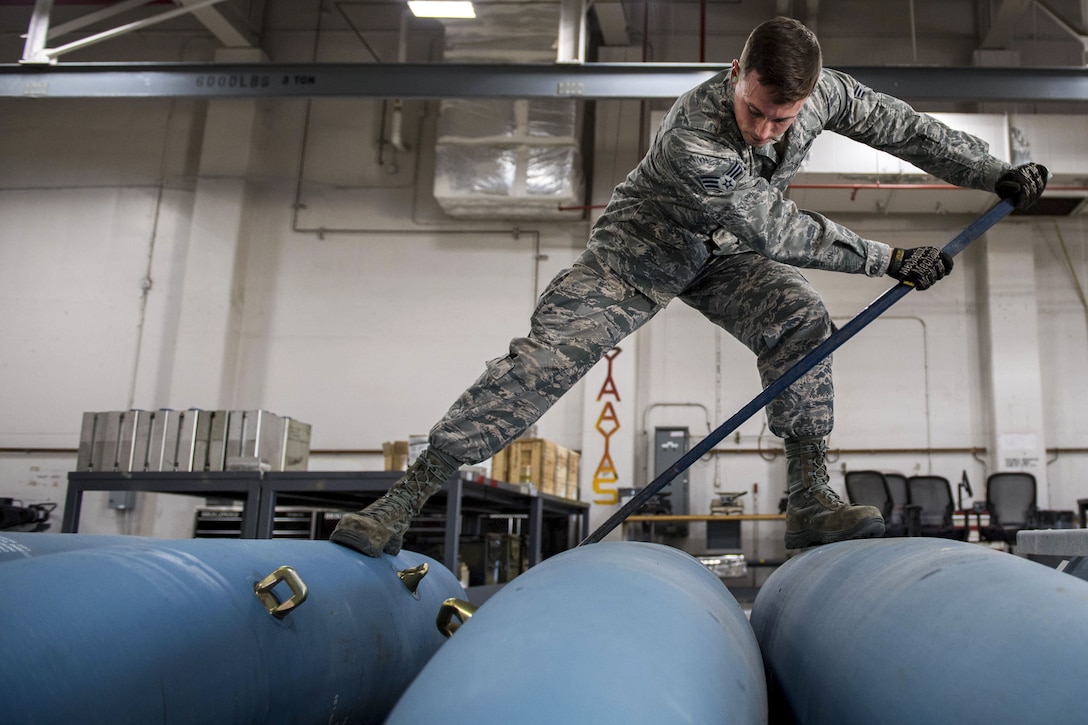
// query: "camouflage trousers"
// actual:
[[588, 309]]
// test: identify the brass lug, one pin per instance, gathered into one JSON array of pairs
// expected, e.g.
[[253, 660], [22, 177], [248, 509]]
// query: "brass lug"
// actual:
[[412, 577], [278, 609], [454, 608]]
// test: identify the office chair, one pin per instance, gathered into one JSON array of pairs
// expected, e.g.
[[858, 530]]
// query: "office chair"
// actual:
[[1010, 499], [904, 520], [870, 488], [934, 495]]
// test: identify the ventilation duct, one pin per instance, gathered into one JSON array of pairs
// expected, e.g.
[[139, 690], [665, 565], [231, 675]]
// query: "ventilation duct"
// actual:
[[500, 158]]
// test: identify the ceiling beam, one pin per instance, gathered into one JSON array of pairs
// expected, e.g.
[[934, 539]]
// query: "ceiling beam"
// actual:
[[464, 80], [227, 32], [99, 15], [1078, 32], [1005, 18], [35, 51], [612, 20]]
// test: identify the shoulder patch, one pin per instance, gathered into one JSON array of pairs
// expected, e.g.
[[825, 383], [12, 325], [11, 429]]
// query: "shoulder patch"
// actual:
[[726, 181], [860, 91]]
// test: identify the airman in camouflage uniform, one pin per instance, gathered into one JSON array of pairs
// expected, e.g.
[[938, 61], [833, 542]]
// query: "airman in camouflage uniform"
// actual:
[[704, 219]]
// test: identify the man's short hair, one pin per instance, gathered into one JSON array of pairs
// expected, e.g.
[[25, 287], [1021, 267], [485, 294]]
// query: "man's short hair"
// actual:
[[787, 57]]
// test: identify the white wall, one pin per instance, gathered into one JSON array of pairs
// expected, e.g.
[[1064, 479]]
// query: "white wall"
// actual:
[[364, 312]]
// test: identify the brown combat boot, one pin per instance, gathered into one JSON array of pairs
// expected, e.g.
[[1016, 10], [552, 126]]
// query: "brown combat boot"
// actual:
[[814, 513], [380, 526]]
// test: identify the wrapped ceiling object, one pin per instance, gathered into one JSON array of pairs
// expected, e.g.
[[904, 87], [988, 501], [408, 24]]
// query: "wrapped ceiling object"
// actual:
[[501, 158]]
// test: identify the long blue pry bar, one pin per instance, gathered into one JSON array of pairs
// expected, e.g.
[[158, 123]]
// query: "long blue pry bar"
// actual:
[[969, 234]]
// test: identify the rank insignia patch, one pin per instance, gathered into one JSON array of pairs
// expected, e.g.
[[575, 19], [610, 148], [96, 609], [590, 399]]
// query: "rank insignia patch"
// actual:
[[718, 183]]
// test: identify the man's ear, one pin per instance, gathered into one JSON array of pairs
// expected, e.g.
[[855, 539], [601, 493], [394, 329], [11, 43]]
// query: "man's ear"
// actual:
[[734, 72]]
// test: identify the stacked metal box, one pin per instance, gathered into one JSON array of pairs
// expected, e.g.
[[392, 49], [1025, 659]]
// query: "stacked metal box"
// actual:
[[192, 440]]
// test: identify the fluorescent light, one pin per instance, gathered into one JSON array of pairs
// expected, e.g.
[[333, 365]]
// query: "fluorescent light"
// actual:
[[439, 9]]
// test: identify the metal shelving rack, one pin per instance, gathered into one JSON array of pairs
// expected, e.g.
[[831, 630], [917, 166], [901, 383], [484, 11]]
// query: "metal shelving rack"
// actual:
[[464, 498]]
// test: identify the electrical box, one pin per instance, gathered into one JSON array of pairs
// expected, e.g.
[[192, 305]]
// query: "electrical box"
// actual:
[[670, 444], [121, 500]]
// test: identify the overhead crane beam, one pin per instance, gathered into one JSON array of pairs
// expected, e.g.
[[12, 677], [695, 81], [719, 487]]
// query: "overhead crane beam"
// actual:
[[464, 80]]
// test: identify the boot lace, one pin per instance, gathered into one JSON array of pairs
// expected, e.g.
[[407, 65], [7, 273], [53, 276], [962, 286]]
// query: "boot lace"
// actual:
[[386, 507], [428, 470], [819, 474], [826, 496], [820, 490]]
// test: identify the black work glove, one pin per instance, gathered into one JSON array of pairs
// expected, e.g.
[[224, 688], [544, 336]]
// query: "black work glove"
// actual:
[[919, 267], [1023, 184]]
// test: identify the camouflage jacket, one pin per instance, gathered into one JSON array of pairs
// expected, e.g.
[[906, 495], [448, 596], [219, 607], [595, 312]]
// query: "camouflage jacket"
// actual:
[[701, 189]]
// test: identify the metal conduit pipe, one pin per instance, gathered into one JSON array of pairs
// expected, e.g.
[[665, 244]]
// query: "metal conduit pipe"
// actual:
[[856, 187], [1072, 269]]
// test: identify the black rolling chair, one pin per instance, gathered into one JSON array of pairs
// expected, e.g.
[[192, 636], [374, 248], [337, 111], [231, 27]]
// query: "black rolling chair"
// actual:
[[1010, 499], [934, 495], [904, 518], [869, 488]]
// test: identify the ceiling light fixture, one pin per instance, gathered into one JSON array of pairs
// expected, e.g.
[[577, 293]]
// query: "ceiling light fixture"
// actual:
[[437, 9]]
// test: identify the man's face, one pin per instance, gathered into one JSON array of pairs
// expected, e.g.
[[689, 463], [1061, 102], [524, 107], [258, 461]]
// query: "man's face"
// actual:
[[760, 118]]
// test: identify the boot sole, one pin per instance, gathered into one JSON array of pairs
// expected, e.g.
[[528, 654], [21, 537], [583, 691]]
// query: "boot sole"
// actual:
[[865, 529], [352, 540]]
